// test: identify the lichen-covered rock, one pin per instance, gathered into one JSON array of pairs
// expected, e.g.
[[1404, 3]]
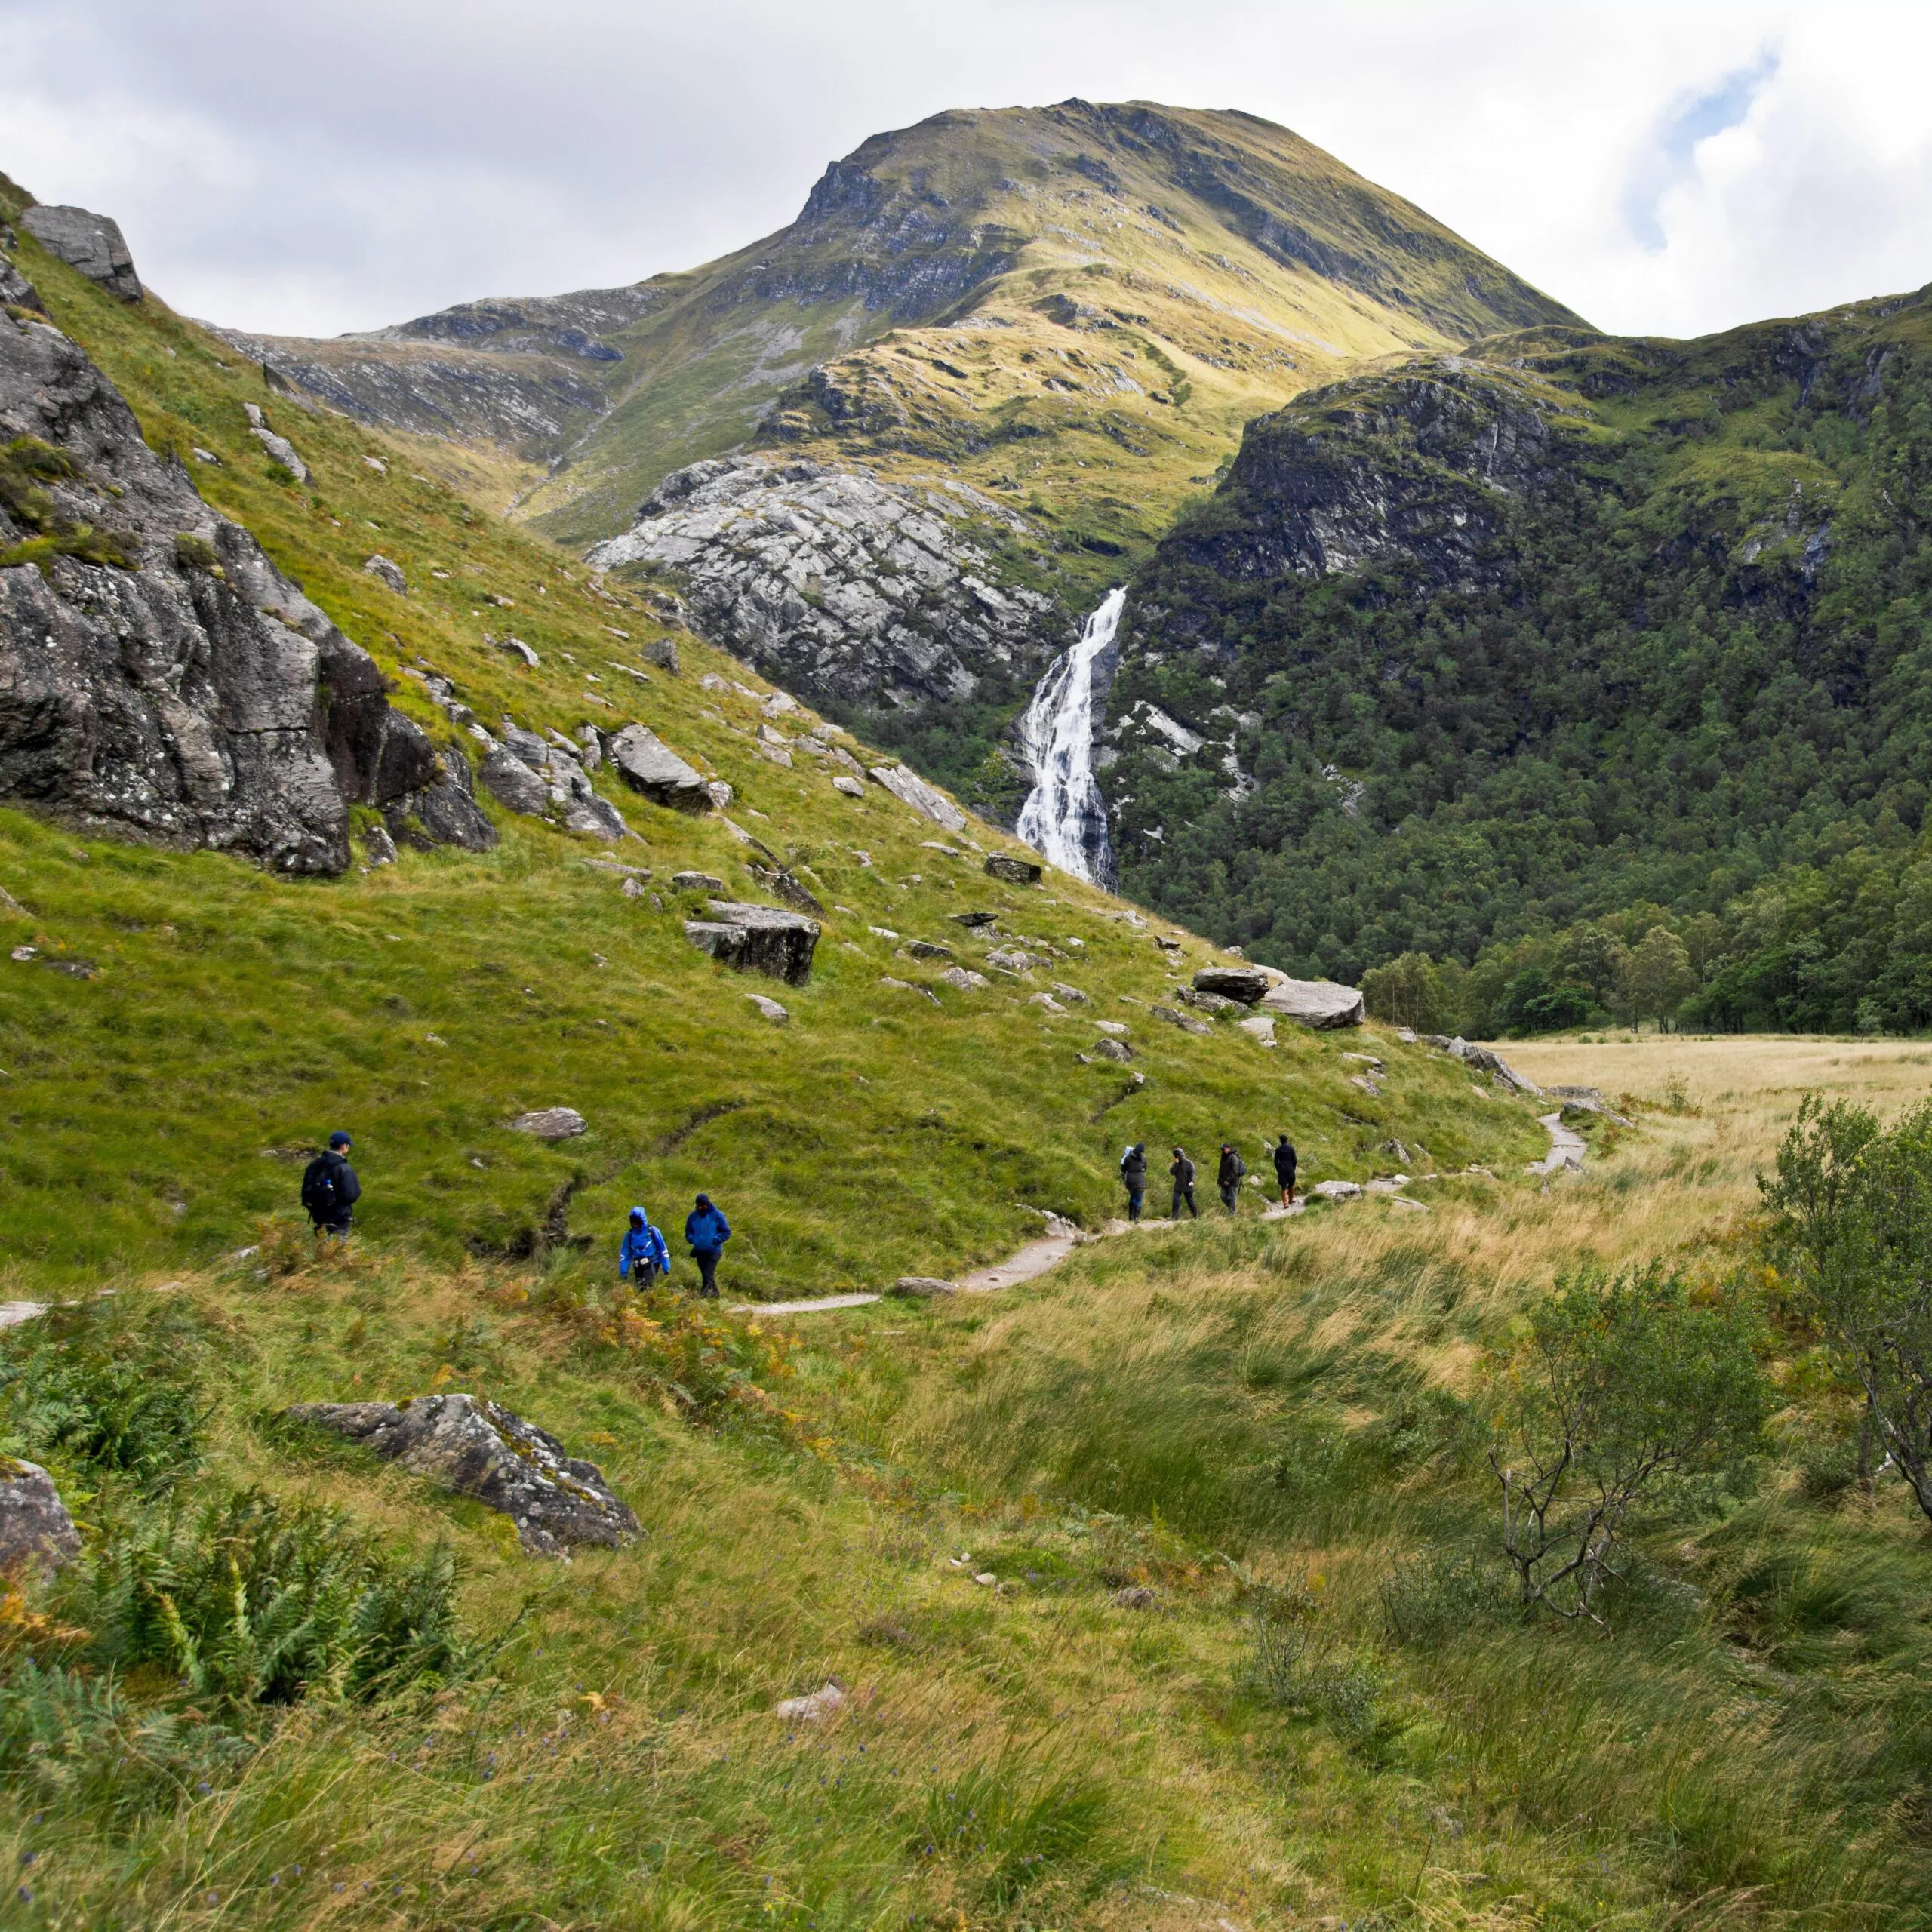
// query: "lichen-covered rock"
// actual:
[[159, 676], [551, 1124], [757, 939], [477, 1448], [847, 587], [92, 243], [34, 1527]]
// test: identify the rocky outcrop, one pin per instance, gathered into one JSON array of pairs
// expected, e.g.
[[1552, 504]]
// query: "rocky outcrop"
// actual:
[[647, 765], [159, 676], [845, 588], [757, 939], [35, 1529], [545, 778], [92, 243], [1323, 1003], [476, 1448], [909, 789]]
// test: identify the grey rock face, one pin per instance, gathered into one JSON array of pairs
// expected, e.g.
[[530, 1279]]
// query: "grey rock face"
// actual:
[[513, 785], [909, 789], [757, 939], [194, 696], [92, 243], [551, 1124], [544, 777], [16, 290], [1186, 1024], [649, 765], [477, 1449], [34, 1526], [279, 448], [845, 587], [384, 571], [1111, 1049]]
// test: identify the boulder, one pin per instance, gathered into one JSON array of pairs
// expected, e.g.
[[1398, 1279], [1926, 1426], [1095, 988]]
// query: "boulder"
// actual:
[[163, 679], [909, 789], [470, 1445], [550, 1123], [850, 787], [922, 1287], [783, 884], [34, 1526], [1337, 1190], [516, 648], [963, 978], [813, 1708], [1206, 1002], [1181, 1019], [1117, 1028], [1111, 1049], [663, 652], [772, 1010], [16, 292], [1019, 871], [513, 785], [1484, 1060], [1260, 1026], [384, 572], [1072, 995], [282, 451], [1246, 985], [757, 939], [1010, 959], [1318, 1003], [973, 921], [446, 809], [92, 243], [696, 882], [650, 766], [926, 949]]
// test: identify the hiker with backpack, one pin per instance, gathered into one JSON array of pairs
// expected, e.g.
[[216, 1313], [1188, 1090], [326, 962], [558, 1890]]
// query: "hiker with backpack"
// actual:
[[707, 1231], [330, 1189], [1182, 1172], [1228, 1177], [642, 1255], [1133, 1177], [1284, 1170]]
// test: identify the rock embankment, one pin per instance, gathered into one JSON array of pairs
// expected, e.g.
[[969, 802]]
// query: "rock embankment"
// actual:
[[159, 676], [841, 586]]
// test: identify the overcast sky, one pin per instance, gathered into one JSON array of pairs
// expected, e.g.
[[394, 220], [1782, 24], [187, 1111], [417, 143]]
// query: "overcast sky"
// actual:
[[310, 166]]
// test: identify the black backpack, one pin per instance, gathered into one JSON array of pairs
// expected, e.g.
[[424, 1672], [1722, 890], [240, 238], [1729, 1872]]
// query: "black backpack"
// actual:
[[319, 1194]]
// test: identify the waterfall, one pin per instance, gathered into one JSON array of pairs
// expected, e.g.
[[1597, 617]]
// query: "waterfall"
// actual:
[[1064, 819]]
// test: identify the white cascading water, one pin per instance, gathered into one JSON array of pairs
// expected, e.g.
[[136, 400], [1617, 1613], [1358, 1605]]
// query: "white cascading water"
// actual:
[[1064, 819]]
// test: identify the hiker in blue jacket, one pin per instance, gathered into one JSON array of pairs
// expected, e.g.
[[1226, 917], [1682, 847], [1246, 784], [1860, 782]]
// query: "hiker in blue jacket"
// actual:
[[643, 1250], [707, 1231]]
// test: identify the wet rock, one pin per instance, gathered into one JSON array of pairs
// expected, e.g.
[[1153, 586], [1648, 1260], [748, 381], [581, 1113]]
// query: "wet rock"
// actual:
[[911, 789], [34, 1526], [184, 692], [478, 1449], [649, 765], [1019, 871], [384, 572], [92, 243], [551, 1124], [757, 939]]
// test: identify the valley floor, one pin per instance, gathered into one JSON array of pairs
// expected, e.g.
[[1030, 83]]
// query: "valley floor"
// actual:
[[1159, 1588]]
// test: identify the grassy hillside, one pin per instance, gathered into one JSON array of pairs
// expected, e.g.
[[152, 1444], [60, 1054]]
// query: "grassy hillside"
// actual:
[[157, 1108]]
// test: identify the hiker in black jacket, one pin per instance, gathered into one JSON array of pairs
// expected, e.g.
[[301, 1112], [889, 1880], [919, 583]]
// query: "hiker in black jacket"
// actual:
[[330, 1189], [1182, 1172], [1133, 1177], [1228, 1177], [1284, 1169]]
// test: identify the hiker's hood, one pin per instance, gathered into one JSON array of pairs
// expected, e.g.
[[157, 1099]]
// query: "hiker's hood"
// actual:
[[639, 1218]]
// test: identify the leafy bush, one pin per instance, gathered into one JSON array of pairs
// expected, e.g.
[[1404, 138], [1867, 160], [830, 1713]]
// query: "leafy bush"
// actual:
[[1299, 1669], [1622, 1392], [1440, 1593], [258, 1602], [85, 1384], [1853, 1226], [71, 1741]]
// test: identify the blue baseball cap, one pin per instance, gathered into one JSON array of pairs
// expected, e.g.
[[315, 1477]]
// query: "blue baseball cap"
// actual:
[[339, 1139]]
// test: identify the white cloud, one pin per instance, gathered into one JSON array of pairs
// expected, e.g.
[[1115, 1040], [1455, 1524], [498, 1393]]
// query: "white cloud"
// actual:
[[323, 164]]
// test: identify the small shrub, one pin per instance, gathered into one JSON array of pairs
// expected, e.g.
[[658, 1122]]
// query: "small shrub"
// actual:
[[71, 1741], [1440, 1594], [258, 1602], [1296, 1668], [195, 553]]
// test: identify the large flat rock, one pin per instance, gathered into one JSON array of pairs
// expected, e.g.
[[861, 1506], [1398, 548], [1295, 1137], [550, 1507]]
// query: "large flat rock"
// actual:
[[649, 765], [757, 939]]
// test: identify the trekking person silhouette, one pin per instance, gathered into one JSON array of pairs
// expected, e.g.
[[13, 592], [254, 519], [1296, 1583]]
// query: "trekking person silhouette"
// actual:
[[330, 1189], [707, 1231], [1182, 1171]]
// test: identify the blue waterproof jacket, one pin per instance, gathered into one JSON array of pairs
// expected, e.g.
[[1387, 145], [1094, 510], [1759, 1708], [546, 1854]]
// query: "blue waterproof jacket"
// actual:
[[644, 1244], [706, 1230]]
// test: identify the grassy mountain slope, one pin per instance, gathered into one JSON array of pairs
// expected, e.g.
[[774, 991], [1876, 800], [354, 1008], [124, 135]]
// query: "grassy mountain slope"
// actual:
[[1076, 305], [156, 1109], [1563, 627]]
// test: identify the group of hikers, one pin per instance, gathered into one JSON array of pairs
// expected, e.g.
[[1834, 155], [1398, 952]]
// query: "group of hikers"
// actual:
[[331, 1190], [1228, 1177]]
